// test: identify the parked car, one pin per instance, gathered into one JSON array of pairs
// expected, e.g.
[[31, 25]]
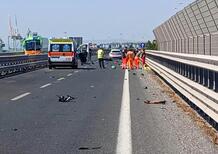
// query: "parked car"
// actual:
[[115, 53]]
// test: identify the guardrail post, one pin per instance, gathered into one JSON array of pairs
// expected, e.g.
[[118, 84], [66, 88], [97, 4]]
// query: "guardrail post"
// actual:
[[196, 74], [216, 81], [206, 75], [192, 73], [189, 71], [183, 69], [211, 79], [201, 75], [174, 66], [186, 70], [177, 67]]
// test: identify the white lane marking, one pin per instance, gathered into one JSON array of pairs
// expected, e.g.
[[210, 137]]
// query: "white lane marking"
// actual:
[[46, 85], [20, 96], [124, 140], [76, 71], [69, 74], [61, 79]]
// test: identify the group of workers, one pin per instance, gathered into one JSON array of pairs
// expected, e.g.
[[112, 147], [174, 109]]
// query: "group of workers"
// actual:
[[131, 58]]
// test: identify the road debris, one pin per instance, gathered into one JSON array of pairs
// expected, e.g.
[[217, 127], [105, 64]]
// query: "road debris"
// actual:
[[113, 67], [134, 73], [65, 99], [163, 108], [142, 74], [145, 87], [15, 129], [90, 148], [138, 99], [199, 121], [155, 102]]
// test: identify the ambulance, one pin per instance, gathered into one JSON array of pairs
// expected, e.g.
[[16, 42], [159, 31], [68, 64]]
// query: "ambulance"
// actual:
[[61, 53]]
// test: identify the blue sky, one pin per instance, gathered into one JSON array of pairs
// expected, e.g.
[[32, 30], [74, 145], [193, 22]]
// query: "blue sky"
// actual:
[[93, 19]]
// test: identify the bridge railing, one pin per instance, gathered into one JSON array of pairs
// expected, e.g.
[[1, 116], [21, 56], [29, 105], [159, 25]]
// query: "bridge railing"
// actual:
[[194, 76]]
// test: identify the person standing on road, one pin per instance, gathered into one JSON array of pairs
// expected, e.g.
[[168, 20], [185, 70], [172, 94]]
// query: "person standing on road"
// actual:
[[100, 54], [89, 50], [124, 60], [130, 57]]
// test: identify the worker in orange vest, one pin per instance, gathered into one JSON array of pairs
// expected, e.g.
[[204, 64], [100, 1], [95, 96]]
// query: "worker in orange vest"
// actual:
[[124, 60], [141, 57], [136, 62], [130, 59]]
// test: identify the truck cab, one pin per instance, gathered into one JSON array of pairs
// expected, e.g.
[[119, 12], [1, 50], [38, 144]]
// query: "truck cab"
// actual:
[[61, 53]]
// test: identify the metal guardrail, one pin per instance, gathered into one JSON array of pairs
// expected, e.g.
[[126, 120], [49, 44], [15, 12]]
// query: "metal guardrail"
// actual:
[[10, 65], [195, 77], [8, 53]]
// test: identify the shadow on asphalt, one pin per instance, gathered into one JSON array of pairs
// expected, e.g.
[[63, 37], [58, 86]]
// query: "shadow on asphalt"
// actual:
[[79, 68], [82, 68]]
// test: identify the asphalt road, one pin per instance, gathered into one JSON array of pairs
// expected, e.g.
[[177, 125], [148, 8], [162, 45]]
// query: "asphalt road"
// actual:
[[98, 120]]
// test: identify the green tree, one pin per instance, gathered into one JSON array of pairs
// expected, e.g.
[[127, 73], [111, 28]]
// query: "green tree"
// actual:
[[152, 45]]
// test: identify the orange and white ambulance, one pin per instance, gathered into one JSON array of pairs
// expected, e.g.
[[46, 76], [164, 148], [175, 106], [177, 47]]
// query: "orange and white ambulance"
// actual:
[[61, 53]]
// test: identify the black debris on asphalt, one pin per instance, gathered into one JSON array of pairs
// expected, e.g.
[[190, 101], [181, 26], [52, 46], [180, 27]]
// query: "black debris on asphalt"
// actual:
[[90, 148], [65, 99], [15, 129], [155, 102]]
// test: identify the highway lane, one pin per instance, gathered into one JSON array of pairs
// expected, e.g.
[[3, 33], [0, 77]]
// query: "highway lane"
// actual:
[[22, 83], [39, 123]]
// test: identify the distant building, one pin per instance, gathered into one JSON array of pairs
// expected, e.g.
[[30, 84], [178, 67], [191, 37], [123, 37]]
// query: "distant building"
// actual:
[[2, 45]]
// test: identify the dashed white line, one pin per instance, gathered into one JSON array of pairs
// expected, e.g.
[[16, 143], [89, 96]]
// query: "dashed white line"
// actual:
[[20, 96], [69, 74], [61, 79], [46, 85], [124, 140]]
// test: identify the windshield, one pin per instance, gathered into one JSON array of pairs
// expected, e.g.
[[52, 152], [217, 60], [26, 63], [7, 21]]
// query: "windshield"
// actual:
[[33, 45], [61, 47], [118, 51]]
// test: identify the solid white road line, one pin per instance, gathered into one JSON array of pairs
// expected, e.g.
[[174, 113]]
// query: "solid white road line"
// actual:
[[46, 85], [61, 79], [69, 74], [124, 140], [20, 96]]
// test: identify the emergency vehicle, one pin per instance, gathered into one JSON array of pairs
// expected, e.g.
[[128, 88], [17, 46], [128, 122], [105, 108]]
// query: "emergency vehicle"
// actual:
[[32, 44], [61, 53]]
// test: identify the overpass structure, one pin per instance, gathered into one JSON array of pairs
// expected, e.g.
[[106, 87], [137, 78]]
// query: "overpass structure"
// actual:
[[188, 56]]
